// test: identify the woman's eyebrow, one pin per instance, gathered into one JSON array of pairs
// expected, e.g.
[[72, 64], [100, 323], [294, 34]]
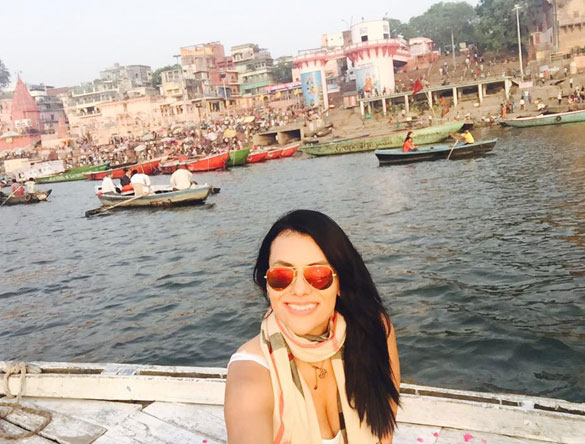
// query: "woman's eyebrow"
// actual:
[[288, 264]]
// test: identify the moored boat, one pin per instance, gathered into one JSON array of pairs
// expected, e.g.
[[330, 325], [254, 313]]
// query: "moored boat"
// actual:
[[435, 152], [395, 139], [26, 198], [546, 119], [72, 174], [289, 150], [148, 167], [208, 163], [273, 153], [160, 198], [256, 156], [237, 157], [123, 403]]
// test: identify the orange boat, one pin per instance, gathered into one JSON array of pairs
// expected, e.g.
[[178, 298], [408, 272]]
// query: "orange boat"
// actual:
[[273, 153], [289, 150], [255, 157], [147, 167], [209, 163]]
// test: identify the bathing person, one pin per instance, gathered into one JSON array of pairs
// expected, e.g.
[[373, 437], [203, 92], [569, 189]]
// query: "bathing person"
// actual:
[[324, 368]]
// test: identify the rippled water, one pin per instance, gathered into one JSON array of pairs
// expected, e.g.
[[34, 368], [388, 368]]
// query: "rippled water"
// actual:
[[481, 264]]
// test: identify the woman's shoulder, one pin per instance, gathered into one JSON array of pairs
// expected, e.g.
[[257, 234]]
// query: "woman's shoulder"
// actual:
[[252, 346]]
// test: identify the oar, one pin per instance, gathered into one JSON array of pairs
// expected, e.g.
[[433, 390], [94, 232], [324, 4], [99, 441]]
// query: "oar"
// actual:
[[11, 194], [119, 204], [453, 147]]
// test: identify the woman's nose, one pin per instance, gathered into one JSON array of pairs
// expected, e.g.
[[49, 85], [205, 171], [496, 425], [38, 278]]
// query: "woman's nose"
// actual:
[[299, 286]]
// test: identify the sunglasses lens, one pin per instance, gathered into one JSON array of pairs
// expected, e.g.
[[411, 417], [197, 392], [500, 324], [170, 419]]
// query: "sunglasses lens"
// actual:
[[279, 278], [318, 276]]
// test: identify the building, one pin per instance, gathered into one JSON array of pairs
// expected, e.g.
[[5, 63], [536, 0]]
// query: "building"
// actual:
[[571, 25], [254, 67], [50, 106], [24, 111]]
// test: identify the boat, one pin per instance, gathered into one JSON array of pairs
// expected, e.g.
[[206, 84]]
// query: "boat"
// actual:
[[290, 150], [435, 152], [147, 167], [26, 198], [256, 156], [113, 403], [238, 157], [546, 119], [162, 197], [208, 163], [72, 174], [395, 139], [273, 153]]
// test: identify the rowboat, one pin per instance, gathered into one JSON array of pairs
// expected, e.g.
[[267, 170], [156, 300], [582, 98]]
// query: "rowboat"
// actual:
[[395, 139], [208, 163], [148, 404], [256, 156], [162, 197], [435, 152], [26, 198], [237, 157], [273, 153], [546, 119], [72, 174], [285, 151], [148, 167]]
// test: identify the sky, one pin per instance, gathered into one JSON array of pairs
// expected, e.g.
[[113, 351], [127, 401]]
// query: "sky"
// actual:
[[66, 42]]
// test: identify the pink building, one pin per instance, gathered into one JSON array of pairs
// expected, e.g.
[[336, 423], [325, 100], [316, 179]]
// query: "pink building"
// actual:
[[24, 111]]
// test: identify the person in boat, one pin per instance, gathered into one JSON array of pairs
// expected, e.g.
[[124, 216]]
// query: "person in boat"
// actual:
[[468, 137], [30, 185], [17, 189], [140, 182], [408, 144], [181, 178], [326, 354], [108, 186], [125, 179]]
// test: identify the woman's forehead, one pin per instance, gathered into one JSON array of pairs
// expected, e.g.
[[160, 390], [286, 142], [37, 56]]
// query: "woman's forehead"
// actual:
[[295, 248]]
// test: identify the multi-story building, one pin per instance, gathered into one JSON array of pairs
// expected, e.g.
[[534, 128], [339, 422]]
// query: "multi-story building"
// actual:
[[254, 67], [50, 106]]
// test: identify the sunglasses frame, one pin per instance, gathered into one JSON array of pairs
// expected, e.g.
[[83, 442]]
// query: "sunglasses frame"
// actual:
[[295, 275]]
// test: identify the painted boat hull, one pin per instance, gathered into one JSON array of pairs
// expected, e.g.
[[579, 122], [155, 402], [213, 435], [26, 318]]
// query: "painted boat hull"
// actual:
[[422, 136], [238, 157], [290, 150], [435, 152], [255, 157], [36, 197], [546, 119], [192, 196], [148, 167], [73, 174], [274, 154], [209, 163]]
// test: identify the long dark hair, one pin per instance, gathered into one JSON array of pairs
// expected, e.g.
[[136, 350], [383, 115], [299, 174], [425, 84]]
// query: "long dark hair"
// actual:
[[408, 135], [368, 375]]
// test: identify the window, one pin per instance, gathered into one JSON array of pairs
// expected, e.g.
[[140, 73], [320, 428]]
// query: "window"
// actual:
[[386, 36], [364, 38]]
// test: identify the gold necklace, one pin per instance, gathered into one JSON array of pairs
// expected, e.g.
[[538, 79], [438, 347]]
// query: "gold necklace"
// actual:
[[320, 373]]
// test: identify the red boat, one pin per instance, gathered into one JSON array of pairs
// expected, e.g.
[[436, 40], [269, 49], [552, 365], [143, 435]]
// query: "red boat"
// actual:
[[289, 150], [209, 163], [169, 167], [257, 156], [147, 167], [273, 153]]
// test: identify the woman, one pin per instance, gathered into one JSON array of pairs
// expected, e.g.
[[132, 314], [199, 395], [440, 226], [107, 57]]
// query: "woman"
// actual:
[[408, 144], [324, 368]]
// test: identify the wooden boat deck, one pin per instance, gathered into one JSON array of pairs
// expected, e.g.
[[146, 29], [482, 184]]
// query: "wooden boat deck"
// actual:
[[139, 405]]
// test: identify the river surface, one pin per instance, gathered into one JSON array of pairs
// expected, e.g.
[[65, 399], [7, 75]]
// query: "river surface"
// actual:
[[480, 262]]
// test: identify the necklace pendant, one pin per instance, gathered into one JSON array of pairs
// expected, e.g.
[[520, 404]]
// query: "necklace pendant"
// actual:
[[322, 373]]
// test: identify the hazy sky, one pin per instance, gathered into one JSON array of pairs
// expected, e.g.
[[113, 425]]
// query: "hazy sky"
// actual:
[[65, 42]]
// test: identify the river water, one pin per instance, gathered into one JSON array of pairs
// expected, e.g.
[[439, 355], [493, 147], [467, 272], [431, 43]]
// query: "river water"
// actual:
[[480, 262]]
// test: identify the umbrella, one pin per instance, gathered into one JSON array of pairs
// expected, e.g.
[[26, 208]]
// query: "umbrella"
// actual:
[[148, 136], [167, 139], [211, 136], [140, 148], [178, 130], [229, 133], [249, 119]]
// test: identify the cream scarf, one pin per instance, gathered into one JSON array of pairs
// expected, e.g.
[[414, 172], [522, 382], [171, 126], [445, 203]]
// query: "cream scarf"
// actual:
[[295, 419]]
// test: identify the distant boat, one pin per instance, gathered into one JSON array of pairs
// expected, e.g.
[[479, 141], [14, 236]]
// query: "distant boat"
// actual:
[[395, 139], [208, 163], [435, 152], [27, 198], [237, 157], [546, 119], [72, 174], [284, 151], [256, 156], [147, 167], [161, 198]]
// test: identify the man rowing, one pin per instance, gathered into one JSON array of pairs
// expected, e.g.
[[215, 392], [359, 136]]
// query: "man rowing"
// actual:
[[181, 178], [466, 137]]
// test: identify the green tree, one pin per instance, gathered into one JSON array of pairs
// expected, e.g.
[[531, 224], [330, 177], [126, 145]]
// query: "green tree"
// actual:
[[4, 75], [282, 72], [397, 29], [156, 75], [442, 18]]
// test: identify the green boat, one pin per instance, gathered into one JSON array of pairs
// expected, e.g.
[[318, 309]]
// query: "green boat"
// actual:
[[547, 119], [395, 139], [72, 174], [238, 157]]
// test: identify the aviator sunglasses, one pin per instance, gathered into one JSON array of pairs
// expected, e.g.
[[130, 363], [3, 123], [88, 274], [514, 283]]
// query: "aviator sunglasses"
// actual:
[[319, 277]]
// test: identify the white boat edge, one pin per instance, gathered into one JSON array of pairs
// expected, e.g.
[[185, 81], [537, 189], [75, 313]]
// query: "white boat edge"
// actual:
[[524, 417]]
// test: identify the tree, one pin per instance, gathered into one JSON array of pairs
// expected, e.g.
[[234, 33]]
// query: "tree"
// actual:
[[4, 75], [399, 29], [156, 75], [441, 19], [282, 72]]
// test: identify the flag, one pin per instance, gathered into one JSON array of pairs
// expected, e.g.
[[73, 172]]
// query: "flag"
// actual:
[[418, 86]]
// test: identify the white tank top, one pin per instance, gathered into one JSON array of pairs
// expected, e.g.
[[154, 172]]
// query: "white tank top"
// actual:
[[247, 356]]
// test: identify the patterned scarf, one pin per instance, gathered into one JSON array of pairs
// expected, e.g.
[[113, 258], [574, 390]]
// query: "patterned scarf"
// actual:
[[295, 418]]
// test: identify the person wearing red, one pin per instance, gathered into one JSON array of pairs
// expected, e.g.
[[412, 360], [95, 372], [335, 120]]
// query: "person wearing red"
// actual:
[[17, 189], [408, 144]]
